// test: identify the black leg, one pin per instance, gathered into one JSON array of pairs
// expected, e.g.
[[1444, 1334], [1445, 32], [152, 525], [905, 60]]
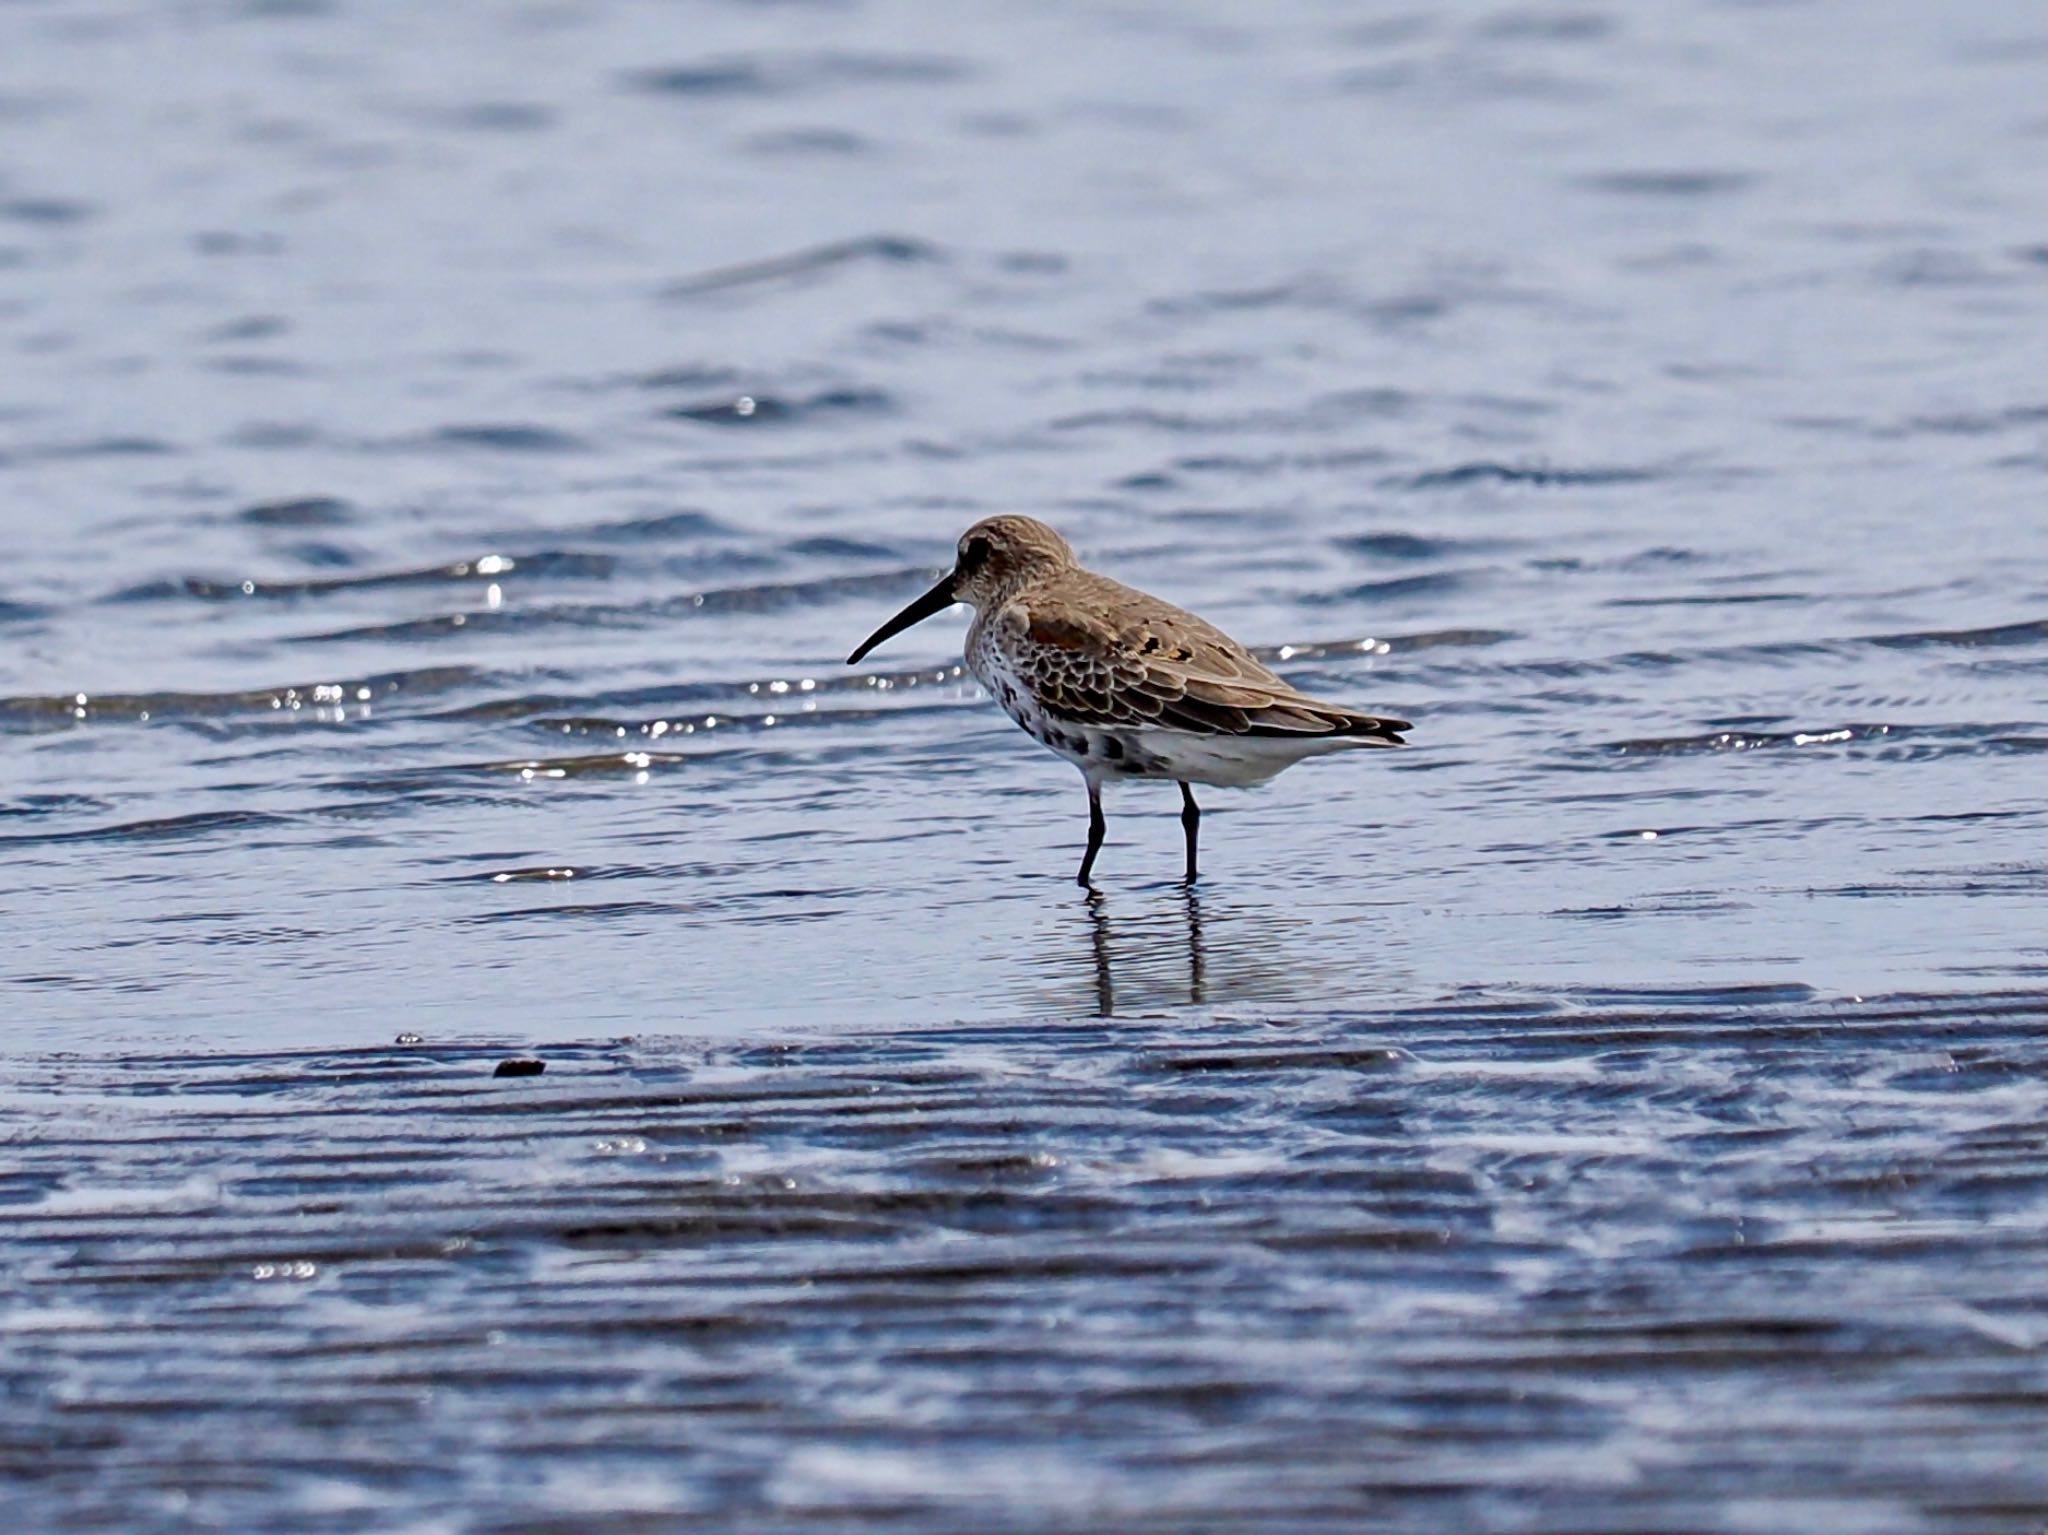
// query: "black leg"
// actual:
[[1191, 823], [1095, 831]]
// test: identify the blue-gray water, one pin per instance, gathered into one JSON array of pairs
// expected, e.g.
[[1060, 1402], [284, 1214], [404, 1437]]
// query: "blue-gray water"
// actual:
[[445, 452]]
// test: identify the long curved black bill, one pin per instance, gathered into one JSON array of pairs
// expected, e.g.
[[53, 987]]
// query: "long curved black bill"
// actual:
[[937, 600]]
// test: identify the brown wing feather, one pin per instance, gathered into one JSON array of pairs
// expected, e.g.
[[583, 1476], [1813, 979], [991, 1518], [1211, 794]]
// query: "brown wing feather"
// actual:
[[1097, 652]]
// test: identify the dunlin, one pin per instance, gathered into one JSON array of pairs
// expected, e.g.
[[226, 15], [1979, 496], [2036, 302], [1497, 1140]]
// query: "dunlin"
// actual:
[[1119, 683]]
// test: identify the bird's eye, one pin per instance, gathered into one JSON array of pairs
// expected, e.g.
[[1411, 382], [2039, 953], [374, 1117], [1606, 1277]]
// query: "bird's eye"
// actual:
[[974, 554]]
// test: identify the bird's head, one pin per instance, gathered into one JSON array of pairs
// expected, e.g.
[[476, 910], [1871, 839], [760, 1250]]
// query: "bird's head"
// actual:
[[996, 558]]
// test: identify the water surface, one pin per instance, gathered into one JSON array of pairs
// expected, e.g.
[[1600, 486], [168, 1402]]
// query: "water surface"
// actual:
[[444, 455]]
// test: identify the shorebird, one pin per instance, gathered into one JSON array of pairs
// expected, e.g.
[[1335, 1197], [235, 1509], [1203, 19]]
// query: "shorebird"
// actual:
[[1118, 682]]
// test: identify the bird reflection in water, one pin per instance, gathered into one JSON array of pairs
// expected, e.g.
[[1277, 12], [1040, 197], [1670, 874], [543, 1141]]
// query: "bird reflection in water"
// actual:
[[1149, 947], [1190, 904]]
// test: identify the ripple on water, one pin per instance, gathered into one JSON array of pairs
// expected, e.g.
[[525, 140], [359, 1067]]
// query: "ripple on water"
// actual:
[[2032, 631], [1900, 742], [883, 249], [1541, 475], [508, 437], [303, 512], [767, 409], [326, 701], [783, 73], [752, 598], [541, 564]]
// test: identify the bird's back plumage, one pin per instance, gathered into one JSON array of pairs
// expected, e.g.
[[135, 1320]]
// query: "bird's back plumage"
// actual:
[[1093, 651]]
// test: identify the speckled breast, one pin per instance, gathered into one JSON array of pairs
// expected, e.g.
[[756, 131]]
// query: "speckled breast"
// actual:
[[1099, 751]]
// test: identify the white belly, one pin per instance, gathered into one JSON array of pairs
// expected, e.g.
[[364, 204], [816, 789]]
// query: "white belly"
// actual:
[[1232, 762], [1107, 754]]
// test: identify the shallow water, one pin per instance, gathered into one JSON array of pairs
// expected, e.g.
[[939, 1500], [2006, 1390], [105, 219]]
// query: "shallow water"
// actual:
[[444, 455]]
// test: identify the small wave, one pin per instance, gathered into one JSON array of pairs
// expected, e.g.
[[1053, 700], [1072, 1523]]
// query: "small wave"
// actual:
[[1433, 584], [1972, 423], [890, 250], [254, 327], [312, 551], [833, 548], [108, 447], [155, 828], [722, 724], [1305, 293], [1911, 743], [769, 597], [479, 621], [1671, 183], [509, 437], [600, 911], [679, 376], [1392, 644], [30, 805], [1136, 415], [784, 74], [1775, 653], [1260, 465], [1548, 26], [760, 597], [1408, 546], [628, 710], [336, 701], [657, 528], [1706, 600], [558, 563], [305, 512], [763, 409], [1324, 411], [1934, 267], [634, 764], [1484, 470], [499, 117], [778, 143], [1750, 994], [1752, 740], [47, 210], [2030, 631]]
